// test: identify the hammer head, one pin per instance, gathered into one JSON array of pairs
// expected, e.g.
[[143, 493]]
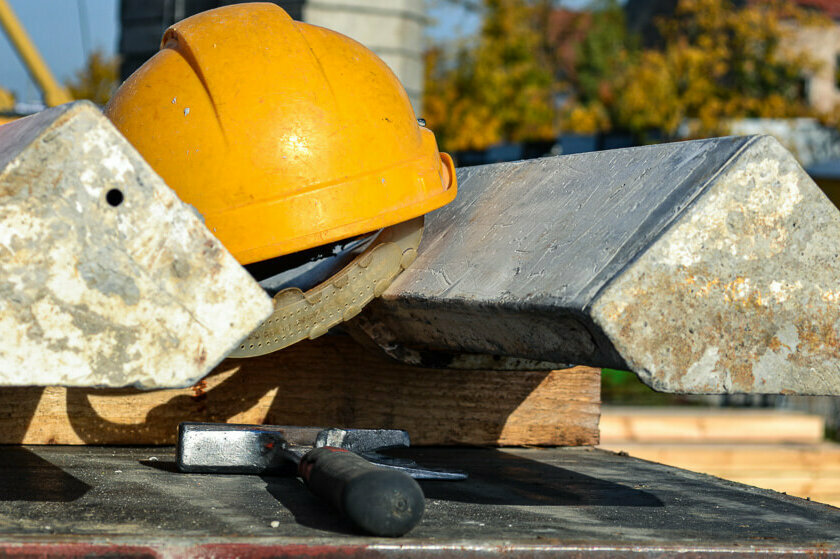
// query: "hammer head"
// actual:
[[222, 448]]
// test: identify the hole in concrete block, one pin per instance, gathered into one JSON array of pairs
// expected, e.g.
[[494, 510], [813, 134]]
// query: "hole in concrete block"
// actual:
[[114, 197]]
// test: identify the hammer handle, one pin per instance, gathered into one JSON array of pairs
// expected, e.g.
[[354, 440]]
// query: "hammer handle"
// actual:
[[379, 501]]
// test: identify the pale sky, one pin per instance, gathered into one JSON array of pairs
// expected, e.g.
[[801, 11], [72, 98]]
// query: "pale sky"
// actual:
[[56, 28]]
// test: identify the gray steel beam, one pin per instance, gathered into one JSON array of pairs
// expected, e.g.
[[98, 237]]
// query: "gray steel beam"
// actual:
[[706, 267], [106, 277]]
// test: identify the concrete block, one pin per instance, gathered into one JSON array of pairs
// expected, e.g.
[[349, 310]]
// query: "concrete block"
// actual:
[[709, 266], [106, 277]]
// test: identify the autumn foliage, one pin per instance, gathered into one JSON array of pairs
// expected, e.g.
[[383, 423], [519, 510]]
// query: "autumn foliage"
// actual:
[[499, 87], [97, 80], [714, 61], [7, 100]]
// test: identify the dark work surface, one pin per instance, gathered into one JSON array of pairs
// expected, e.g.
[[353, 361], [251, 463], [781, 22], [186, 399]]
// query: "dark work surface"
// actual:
[[526, 502]]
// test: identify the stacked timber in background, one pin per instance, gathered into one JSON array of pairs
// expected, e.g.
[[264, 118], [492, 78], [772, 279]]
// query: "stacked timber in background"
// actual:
[[773, 449], [656, 425]]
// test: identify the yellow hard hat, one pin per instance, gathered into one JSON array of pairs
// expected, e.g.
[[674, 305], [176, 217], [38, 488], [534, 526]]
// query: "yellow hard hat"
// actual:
[[283, 135]]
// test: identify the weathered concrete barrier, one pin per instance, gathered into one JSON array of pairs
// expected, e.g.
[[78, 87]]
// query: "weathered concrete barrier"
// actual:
[[706, 267], [106, 277]]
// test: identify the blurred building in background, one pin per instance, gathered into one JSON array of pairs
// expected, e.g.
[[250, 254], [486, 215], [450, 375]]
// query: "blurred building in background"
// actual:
[[822, 88], [393, 30]]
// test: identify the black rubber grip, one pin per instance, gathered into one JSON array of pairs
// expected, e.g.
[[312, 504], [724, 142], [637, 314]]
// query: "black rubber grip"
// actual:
[[380, 501]]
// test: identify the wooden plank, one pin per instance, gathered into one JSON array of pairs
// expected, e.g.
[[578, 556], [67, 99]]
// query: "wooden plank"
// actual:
[[693, 425], [762, 459], [331, 381], [810, 471]]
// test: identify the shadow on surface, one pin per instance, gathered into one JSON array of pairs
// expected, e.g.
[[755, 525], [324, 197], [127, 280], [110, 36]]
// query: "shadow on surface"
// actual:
[[499, 478], [308, 509], [20, 404], [496, 478], [25, 476], [163, 465]]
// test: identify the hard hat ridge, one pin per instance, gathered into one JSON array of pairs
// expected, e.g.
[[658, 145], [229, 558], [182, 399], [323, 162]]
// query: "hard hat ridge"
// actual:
[[283, 135]]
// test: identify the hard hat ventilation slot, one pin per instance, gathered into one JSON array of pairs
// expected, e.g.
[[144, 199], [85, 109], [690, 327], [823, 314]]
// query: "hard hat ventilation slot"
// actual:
[[114, 197], [307, 268]]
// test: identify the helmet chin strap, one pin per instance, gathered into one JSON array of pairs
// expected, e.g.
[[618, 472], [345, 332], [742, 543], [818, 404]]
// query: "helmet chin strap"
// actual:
[[299, 315], [308, 268]]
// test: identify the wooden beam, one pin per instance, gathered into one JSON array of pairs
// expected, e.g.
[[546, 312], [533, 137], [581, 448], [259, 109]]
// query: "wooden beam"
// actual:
[[702, 425], [331, 381], [804, 470]]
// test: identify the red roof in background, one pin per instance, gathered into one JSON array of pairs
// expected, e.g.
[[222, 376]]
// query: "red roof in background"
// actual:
[[566, 28], [831, 8]]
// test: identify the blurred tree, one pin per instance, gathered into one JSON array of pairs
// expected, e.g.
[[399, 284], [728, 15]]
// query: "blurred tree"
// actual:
[[717, 62], [7, 100], [97, 80], [602, 55], [498, 87]]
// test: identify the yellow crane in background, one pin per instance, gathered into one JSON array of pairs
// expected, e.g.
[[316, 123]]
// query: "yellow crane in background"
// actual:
[[53, 92]]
